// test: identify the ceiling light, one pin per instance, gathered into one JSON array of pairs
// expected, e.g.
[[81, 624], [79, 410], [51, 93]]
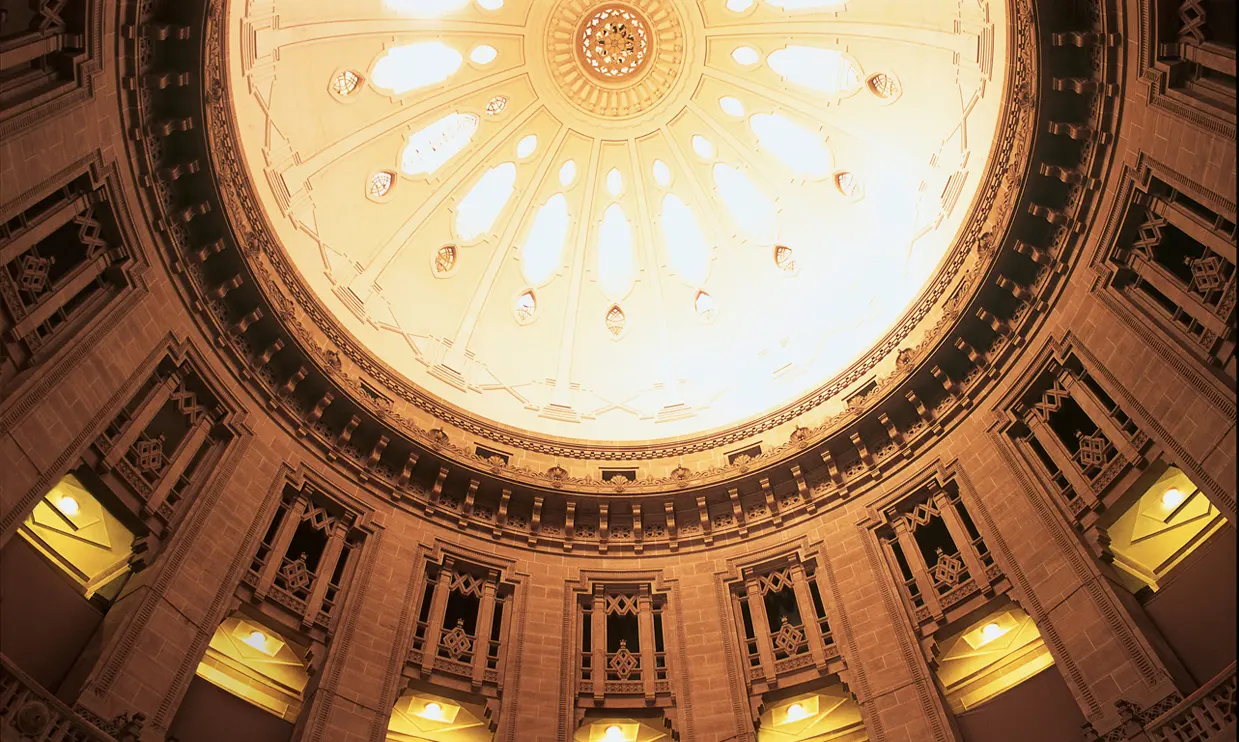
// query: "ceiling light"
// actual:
[[257, 640], [796, 712], [991, 631], [613, 733], [432, 711], [68, 506], [1171, 498]]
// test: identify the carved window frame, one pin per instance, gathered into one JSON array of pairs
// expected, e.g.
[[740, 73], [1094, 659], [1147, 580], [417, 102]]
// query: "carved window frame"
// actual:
[[933, 597], [454, 665], [275, 594], [795, 654], [84, 186], [670, 681], [85, 64], [1162, 74], [1151, 183], [1147, 443]]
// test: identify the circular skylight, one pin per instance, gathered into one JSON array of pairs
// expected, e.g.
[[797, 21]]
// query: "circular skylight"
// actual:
[[617, 221]]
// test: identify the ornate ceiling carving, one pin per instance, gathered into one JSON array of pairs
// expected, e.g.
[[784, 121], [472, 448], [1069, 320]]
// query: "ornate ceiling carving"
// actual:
[[586, 365]]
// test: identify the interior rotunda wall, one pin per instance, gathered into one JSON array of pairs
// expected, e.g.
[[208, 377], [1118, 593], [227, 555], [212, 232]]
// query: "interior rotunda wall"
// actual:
[[1107, 645]]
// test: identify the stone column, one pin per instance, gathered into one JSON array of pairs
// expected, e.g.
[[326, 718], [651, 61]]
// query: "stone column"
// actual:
[[1096, 412], [963, 541], [481, 629], [1173, 289], [1061, 457], [45, 225], [438, 603], [598, 636], [180, 461], [761, 624], [279, 547], [920, 570], [808, 614], [150, 407], [326, 566], [645, 626], [69, 287]]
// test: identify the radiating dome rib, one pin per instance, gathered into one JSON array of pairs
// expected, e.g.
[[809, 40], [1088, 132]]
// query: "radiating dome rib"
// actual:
[[543, 250], [477, 211], [616, 262], [427, 150], [688, 251], [797, 148], [824, 70], [405, 68], [752, 211]]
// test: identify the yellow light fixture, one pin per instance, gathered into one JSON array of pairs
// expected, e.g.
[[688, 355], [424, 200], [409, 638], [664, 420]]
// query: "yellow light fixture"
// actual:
[[613, 733], [68, 506], [991, 631], [257, 640], [432, 711], [796, 712], [1172, 497]]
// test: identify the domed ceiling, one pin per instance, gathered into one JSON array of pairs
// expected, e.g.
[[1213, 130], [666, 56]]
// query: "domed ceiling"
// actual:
[[617, 221]]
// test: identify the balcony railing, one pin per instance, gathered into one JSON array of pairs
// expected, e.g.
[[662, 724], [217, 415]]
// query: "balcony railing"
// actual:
[[35, 715], [1207, 714]]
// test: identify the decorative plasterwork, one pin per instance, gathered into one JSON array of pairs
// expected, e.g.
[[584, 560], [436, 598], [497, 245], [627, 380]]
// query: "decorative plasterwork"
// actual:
[[545, 493], [936, 308]]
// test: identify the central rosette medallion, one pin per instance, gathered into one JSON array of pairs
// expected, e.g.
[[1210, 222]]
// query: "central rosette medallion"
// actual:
[[615, 60]]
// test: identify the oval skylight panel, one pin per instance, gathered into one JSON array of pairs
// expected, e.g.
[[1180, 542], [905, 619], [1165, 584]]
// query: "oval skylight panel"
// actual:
[[745, 56], [477, 211], [615, 182], [567, 173], [526, 146], [688, 252], [824, 70], [483, 54], [413, 66], [427, 150], [748, 206], [731, 106], [543, 249], [703, 147], [662, 173], [798, 148], [616, 268]]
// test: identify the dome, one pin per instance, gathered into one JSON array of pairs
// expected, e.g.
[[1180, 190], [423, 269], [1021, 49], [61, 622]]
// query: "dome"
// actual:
[[612, 221]]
